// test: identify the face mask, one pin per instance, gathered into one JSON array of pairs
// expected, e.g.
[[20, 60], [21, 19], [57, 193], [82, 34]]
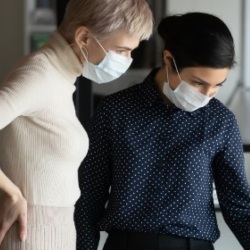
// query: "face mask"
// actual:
[[185, 96], [110, 68]]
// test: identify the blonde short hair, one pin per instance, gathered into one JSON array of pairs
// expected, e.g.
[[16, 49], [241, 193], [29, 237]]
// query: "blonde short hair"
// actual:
[[103, 17]]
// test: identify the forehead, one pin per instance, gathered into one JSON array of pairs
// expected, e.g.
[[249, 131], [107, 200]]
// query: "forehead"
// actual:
[[209, 75], [121, 39]]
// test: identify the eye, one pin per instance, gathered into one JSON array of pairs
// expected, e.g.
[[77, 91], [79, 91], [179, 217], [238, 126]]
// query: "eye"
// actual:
[[121, 51], [197, 83], [124, 52], [219, 85]]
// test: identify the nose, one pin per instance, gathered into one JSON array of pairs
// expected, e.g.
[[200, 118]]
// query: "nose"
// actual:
[[208, 92], [128, 54]]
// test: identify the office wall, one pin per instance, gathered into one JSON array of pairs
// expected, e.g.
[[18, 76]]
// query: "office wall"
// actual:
[[246, 45], [11, 30]]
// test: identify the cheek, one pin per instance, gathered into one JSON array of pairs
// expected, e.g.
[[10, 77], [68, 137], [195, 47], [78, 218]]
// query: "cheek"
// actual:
[[174, 81], [96, 59], [95, 54], [127, 54], [210, 91], [124, 53]]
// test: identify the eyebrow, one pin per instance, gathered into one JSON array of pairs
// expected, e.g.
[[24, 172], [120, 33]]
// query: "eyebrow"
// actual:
[[199, 79]]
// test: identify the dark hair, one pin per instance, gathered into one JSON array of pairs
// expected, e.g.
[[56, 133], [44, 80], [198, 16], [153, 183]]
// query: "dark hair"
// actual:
[[198, 39]]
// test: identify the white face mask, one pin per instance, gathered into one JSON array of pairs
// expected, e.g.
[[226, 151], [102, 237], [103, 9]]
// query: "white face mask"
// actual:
[[110, 68], [185, 96]]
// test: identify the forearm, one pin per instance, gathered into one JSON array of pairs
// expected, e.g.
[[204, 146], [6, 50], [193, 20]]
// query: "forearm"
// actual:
[[13, 208], [88, 234]]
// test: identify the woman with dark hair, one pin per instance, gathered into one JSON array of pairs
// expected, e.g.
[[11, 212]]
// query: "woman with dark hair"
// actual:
[[156, 149]]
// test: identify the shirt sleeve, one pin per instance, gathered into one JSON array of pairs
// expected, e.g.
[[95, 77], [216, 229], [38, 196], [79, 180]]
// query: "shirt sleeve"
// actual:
[[23, 91], [232, 186], [94, 181]]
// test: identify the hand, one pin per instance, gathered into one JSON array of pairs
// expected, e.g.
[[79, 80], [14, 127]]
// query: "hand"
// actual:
[[13, 208]]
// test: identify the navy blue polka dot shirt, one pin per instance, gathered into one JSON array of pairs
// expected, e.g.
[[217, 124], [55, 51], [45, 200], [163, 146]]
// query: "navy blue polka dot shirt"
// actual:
[[150, 168]]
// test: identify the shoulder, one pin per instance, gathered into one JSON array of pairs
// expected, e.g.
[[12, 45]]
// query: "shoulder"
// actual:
[[218, 108], [36, 61], [30, 71], [115, 105], [124, 97], [140, 94], [30, 80], [220, 114]]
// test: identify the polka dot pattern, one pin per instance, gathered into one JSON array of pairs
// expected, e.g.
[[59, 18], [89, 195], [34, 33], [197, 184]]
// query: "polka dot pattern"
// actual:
[[155, 165]]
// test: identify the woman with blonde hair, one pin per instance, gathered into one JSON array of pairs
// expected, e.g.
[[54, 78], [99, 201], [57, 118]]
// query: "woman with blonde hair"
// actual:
[[42, 143]]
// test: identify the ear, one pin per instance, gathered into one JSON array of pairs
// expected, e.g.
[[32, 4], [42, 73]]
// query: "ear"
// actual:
[[167, 58], [82, 36]]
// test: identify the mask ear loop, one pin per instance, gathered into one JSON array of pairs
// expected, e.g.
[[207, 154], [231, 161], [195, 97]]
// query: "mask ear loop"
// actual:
[[87, 54], [85, 57], [100, 45], [176, 69], [167, 74]]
